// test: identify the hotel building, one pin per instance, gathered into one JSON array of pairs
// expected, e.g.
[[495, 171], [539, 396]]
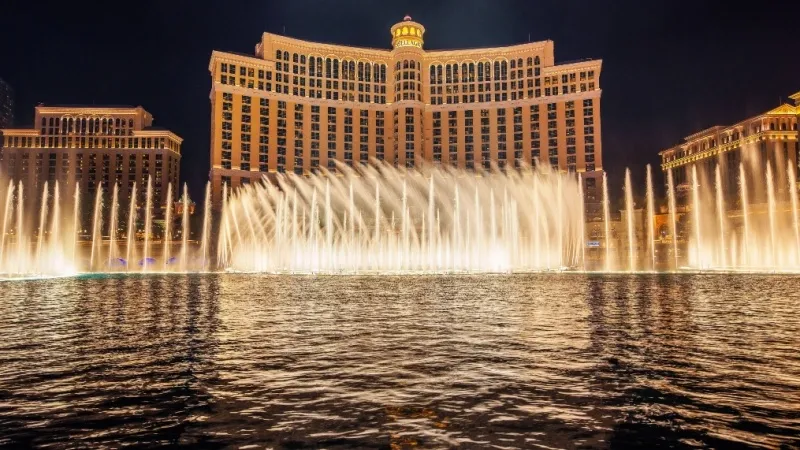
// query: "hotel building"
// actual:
[[768, 138], [297, 106], [93, 148]]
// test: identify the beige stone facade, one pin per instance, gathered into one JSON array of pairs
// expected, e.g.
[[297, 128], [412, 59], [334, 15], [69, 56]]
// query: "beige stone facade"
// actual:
[[768, 138], [92, 148], [297, 106]]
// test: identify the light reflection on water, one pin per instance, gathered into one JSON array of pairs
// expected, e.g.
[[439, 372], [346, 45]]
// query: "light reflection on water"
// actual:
[[561, 360]]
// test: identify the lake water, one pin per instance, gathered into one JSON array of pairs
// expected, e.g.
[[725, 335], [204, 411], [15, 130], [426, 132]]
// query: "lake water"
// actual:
[[503, 361]]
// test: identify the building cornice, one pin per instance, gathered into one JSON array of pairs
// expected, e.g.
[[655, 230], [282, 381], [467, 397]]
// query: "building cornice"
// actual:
[[325, 49], [788, 135], [90, 110], [238, 59], [154, 133]]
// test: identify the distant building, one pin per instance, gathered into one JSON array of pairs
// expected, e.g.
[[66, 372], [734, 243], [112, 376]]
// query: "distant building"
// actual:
[[93, 147], [6, 105], [770, 139], [297, 106]]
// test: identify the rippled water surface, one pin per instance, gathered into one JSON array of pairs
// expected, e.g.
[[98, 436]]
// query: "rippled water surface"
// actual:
[[522, 361]]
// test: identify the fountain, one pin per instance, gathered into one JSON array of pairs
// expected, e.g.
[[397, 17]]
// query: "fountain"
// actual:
[[629, 217], [380, 219], [491, 233], [672, 216], [793, 196], [148, 225], [720, 215], [130, 250], [185, 231], [606, 223], [745, 215], [168, 228]]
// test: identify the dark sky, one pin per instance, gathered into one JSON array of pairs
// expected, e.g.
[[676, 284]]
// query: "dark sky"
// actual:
[[669, 67]]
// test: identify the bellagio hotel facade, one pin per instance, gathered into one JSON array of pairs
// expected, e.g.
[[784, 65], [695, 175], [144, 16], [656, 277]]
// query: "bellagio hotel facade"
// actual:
[[93, 148], [298, 106]]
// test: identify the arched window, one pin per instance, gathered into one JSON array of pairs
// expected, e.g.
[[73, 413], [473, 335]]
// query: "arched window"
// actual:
[[497, 70], [519, 63], [455, 73], [471, 72], [513, 64], [405, 64], [530, 61], [368, 72], [295, 58], [311, 67], [278, 54], [504, 70], [352, 66], [449, 74], [285, 56], [397, 66], [432, 71], [487, 71], [360, 71], [536, 61]]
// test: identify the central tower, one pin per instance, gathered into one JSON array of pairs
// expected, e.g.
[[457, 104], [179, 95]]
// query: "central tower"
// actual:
[[408, 107]]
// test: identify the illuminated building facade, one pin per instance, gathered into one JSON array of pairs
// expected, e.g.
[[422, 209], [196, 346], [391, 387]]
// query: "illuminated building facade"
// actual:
[[297, 106], [769, 138], [93, 148], [6, 105]]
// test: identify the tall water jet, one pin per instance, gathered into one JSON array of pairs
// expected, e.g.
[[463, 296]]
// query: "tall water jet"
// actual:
[[224, 230], [672, 213], [185, 230], [720, 216], [130, 250], [76, 223], [795, 214], [96, 228], [582, 223], [113, 223], [651, 218], [54, 241], [20, 233], [206, 227], [6, 221], [606, 222], [771, 204], [629, 214], [148, 223], [41, 230], [697, 212], [168, 227], [745, 215]]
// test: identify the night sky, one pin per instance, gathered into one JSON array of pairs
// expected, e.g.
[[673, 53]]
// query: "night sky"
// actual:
[[670, 68]]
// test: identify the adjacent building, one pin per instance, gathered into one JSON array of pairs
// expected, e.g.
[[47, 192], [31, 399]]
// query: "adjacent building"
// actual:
[[297, 106], [6, 105], [93, 148], [768, 139]]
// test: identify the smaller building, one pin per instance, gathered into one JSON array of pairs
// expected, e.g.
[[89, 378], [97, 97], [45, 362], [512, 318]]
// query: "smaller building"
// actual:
[[6, 105], [770, 138], [93, 148]]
